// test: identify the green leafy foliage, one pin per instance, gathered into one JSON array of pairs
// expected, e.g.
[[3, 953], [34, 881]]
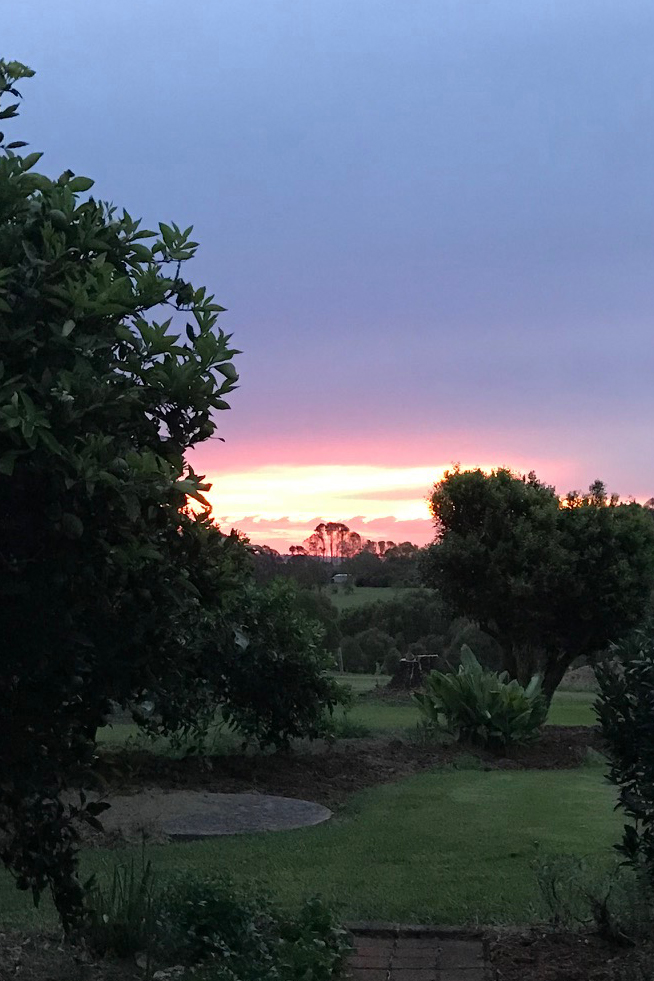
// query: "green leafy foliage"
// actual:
[[112, 590], [617, 902], [218, 930], [550, 580], [482, 707], [625, 712]]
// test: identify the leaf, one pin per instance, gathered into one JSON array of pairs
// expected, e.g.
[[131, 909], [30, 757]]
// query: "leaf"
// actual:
[[97, 807], [167, 233], [16, 145], [71, 525], [7, 462], [81, 184], [68, 328], [229, 371]]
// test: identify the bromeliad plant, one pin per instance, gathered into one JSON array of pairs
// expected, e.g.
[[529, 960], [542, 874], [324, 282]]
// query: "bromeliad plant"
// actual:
[[482, 707]]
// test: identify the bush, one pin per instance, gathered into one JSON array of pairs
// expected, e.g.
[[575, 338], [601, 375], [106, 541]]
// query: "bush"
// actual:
[[353, 657], [618, 902], [375, 646], [407, 618], [482, 707], [392, 661], [224, 932], [625, 711]]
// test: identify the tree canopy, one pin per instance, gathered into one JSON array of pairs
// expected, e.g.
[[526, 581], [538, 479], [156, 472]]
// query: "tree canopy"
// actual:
[[551, 580], [112, 589]]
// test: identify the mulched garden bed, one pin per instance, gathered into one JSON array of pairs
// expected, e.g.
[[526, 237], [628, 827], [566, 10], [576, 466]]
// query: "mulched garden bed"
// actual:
[[530, 956], [329, 775], [547, 956], [32, 957]]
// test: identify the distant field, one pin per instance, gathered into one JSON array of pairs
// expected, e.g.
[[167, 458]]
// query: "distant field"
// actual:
[[363, 594]]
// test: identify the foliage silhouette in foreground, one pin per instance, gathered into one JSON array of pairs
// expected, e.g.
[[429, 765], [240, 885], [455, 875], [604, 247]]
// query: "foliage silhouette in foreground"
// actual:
[[482, 707], [625, 709], [112, 589]]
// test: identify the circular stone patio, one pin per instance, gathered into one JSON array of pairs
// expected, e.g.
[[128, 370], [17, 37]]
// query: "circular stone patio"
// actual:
[[187, 814]]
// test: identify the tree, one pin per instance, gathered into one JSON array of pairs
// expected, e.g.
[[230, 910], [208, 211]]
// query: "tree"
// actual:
[[315, 544], [549, 580], [112, 589], [351, 545], [267, 562]]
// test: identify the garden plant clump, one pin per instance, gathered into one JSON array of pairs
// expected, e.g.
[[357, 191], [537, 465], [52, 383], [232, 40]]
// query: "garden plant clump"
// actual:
[[211, 929], [482, 707]]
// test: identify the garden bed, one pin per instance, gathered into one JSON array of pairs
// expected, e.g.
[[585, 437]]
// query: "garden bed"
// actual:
[[547, 956], [530, 956], [328, 775], [43, 957]]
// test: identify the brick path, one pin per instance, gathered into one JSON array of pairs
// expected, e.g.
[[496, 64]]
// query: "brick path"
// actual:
[[415, 954]]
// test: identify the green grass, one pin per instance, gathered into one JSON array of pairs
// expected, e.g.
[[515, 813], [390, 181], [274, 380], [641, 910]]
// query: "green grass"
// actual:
[[381, 717], [362, 683], [452, 846], [364, 594], [572, 708]]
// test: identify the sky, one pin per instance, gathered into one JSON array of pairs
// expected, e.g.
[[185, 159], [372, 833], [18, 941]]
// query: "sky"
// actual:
[[431, 221]]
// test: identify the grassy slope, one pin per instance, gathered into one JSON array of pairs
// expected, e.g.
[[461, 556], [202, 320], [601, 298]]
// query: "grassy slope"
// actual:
[[451, 846]]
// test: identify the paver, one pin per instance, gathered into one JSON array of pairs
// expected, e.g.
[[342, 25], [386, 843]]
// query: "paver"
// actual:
[[391, 952], [461, 953]]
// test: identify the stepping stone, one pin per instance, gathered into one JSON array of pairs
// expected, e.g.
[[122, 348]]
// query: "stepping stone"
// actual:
[[232, 814]]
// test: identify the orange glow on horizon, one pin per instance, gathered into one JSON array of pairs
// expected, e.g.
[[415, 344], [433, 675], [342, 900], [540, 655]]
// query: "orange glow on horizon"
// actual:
[[280, 505]]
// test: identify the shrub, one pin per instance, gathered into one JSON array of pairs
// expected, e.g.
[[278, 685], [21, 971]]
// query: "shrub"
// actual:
[[482, 707], [618, 902], [625, 711], [392, 661], [353, 657], [223, 932]]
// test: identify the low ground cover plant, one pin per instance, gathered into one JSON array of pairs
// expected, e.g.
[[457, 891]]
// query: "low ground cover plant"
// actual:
[[482, 707], [215, 930]]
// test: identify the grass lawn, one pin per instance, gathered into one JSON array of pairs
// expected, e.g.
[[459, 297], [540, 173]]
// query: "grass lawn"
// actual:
[[381, 717], [364, 594], [572, 708], [361, 683], [453, 846]]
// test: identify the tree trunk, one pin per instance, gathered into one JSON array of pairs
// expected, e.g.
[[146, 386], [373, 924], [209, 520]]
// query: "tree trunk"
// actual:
[[523, 662], [410, 673], [553, 675]]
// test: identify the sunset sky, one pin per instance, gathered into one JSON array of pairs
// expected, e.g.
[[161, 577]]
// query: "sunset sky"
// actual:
[[432, 223]]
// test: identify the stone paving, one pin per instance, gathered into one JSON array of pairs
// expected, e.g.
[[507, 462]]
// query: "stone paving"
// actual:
[[417, 954]]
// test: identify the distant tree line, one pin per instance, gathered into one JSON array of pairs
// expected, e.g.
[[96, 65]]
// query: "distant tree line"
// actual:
[[366, 562]]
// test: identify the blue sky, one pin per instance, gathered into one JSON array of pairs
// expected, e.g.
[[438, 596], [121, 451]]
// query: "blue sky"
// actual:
[[432, 221]]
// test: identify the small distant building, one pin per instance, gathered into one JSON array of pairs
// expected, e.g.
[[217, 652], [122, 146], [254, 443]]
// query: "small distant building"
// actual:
[[339, 578]]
